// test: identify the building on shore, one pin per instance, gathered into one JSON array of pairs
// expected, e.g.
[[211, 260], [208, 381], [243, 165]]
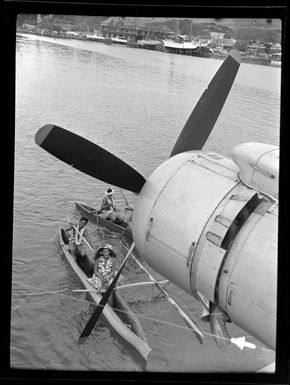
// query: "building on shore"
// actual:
[[221, 44], [275, 49], [256, 49], [149, 33], [132, 29]]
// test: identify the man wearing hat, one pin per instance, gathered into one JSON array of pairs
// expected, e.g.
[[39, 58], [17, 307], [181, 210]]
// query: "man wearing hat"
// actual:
[[109, 207]]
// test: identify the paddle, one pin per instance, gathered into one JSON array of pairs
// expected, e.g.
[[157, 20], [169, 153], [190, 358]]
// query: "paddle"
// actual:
[[80, 234], [129, 207], [98, 311]]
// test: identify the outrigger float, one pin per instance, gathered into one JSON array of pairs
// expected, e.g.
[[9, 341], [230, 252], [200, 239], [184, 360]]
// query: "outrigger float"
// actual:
[[130, 329]]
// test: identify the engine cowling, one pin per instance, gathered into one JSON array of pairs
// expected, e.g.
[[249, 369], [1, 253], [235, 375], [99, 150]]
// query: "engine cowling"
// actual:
[[198, 225]]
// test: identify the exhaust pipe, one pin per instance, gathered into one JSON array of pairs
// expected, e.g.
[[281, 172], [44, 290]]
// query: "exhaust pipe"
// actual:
[[218, 319]]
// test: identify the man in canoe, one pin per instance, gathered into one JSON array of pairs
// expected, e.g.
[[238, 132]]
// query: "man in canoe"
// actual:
[[105, 266], [77, 246], [109, 207]]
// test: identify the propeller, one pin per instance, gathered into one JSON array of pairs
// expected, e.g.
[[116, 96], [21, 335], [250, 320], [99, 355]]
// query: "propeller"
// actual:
[[88, 157], [99, 309], [202, 119], [95, 161]]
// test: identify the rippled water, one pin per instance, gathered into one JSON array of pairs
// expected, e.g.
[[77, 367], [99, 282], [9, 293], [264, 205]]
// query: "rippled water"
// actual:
[[134, 103]]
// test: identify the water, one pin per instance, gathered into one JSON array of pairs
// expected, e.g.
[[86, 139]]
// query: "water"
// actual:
[[134, 103]]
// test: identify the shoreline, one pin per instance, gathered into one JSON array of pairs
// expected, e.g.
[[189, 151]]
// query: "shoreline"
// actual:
[[251, 59]]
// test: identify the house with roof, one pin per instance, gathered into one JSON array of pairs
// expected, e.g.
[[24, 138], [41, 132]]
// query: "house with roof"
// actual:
[[256, 48], [130, 28], [222, 43], [275, 49]]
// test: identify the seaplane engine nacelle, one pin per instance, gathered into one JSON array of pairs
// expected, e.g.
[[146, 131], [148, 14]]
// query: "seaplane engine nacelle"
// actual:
[[198, 225]]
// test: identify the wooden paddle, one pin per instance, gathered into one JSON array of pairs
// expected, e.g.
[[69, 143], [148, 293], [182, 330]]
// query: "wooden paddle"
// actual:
[[129, 207], [98, 311], [80, 234]]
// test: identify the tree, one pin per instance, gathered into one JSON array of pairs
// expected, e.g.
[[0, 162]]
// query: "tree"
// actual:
[[267, 45], [241, 45]]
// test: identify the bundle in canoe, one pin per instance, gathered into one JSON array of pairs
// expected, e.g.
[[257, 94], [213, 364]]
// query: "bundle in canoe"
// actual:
[[131, 331], [94, 216]]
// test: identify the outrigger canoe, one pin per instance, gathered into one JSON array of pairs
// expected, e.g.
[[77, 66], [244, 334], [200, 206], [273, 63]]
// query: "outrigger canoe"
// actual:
[[130, 329], [93, 216]]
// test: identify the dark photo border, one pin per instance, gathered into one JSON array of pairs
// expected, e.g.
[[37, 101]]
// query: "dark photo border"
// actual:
[[265, 10]]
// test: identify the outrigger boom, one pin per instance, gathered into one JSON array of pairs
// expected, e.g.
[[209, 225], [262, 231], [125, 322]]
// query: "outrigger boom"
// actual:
[[123, 286], [165, 281]]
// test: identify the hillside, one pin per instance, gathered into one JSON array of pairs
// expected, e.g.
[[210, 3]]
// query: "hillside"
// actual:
[[235, 24], [242, 30]]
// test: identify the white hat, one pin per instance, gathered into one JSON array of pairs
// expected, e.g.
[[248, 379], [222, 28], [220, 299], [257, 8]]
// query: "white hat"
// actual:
[[109, 191]]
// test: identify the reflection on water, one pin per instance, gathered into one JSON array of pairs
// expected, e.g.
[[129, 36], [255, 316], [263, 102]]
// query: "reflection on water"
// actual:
[[134, 103]]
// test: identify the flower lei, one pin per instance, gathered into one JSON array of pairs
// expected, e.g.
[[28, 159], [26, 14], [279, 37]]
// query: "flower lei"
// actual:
[[105, 265]]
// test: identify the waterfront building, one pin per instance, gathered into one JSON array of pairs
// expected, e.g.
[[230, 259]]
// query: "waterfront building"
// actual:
[[256, 48], [275, 49], [132, 29], [223, 43]]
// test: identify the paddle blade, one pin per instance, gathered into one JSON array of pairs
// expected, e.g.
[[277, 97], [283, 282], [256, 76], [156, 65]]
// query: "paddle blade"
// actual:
[[202, 119], [88, 157], [99, 309]]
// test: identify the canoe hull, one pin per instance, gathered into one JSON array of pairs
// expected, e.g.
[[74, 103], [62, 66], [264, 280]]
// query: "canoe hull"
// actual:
[[138, 340], [91, 214]]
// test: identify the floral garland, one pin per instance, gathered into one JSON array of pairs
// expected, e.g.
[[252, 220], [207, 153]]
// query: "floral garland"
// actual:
[[105, 265]]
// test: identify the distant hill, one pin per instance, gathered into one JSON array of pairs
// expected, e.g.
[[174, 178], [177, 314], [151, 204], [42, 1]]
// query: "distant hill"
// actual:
[[235, 24]]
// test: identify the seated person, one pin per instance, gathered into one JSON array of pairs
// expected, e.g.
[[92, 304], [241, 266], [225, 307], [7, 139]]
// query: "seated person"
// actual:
[[109, 208], [77, 245], [105, 266]]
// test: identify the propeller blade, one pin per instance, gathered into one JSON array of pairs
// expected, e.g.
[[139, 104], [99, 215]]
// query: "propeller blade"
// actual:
[[88, 157], [202, 119], [99, 309]]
